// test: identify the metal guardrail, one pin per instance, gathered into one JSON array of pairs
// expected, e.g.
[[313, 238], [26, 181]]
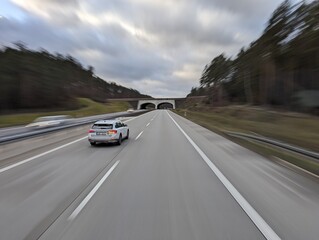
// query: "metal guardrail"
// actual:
[[276, 143], [18, 136]]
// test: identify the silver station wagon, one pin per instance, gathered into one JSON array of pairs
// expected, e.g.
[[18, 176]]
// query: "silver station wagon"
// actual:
[[108, 131]]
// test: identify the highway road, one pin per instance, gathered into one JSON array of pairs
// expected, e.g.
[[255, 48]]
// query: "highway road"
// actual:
[[172, 179]]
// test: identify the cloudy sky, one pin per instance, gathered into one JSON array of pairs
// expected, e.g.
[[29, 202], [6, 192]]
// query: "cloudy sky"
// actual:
[[158, 47]]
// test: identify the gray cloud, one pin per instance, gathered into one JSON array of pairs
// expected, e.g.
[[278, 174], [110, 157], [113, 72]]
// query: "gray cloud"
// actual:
[[158, 46], [35, 34]]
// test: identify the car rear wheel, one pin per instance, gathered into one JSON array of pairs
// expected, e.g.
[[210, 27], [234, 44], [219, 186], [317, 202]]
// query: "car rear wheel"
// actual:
[[128, 134], [119, 142]]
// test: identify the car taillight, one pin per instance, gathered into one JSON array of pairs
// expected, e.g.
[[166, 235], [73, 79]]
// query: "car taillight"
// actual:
[[112, 132], [91, 131]]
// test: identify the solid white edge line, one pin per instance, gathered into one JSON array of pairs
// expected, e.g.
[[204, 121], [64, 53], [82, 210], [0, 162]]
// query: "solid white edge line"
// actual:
[[92, 192], [139, 135], [39, 155], [50, 151], [260, 223]]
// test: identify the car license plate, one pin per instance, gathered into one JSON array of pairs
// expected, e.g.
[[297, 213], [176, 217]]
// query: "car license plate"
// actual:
[[100, 133]]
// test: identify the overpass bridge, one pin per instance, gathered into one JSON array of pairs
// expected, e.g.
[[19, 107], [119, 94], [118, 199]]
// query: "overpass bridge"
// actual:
[[157, 103]]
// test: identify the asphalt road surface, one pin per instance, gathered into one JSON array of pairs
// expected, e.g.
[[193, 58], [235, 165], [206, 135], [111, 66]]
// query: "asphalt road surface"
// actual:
[[171, 180]]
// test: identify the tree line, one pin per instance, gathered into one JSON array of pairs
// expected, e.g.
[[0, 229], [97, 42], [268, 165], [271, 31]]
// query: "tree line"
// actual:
[[280, 68], [39, 80]]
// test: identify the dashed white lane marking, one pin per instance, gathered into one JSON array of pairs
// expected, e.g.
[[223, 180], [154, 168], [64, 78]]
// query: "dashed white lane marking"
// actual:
[[154, 117], [148, 124], [139, 135], [260, 223], [93, 191], [40, 155]]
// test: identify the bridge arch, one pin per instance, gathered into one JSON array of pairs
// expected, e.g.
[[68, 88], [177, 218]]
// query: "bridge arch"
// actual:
[[156, 102], [165, 105], [147, 105]]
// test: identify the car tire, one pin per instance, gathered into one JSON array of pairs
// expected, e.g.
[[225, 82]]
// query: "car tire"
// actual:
[[93, 143], [119, 142], [128, 134]]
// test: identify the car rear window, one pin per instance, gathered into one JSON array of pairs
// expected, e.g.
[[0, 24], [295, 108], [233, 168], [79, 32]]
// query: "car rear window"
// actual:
[[102, 126]]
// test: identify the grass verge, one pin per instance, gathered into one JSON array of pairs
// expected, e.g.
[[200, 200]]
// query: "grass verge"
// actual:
[[300, 130], [88, 108]]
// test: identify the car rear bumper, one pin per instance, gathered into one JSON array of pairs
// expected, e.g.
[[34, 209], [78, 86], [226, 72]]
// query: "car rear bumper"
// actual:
[[102, 140]]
